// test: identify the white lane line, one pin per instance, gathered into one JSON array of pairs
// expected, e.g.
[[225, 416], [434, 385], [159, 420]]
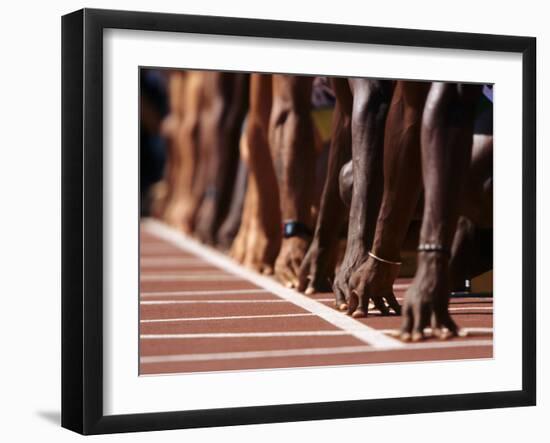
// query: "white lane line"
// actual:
[[400, 286], [480, 331], [308, 352], [200, 292], [230, 317], [463, 332], [360, 331], [244, 335], [186, 302], [150, 250], [451, 309], [193, 267], [466, 300], [167, 261], [452, 302], [187, 277], [471, 308]]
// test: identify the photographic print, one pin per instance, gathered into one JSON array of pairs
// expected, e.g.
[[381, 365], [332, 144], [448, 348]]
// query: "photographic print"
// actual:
[[268, 221], [294, 221]]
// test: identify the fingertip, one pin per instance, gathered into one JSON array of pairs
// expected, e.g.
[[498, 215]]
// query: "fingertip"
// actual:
[[343, 306], [417, 336], [309, 290], [446, 334], [302, 285], [359, 313], [451, 326]]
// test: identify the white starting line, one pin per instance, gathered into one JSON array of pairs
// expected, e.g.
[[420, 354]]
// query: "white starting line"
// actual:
[[252, 301], [205, 292], [465, 332], [306, 352], [231, 317], [327, 333], [185, 302], [188, 277], [169, 261]]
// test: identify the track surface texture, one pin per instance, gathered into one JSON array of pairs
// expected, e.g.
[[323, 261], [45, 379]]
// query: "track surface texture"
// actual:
[[202, 312]]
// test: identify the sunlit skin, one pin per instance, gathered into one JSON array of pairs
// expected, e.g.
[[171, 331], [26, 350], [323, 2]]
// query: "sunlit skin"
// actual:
[[259, 237], [292, 143], [370, 100], [181, 202], [391, 142], [373, 280]]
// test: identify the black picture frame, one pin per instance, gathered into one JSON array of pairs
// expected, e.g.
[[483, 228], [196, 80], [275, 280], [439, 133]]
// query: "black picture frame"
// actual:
[[82, 219]]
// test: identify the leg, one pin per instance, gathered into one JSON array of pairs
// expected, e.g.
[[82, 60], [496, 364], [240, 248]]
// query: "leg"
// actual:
[[446, 141], [259, 237], [232, 222], [472, 245], [184, 155], [239, 245], [163, 190], [223, 114]]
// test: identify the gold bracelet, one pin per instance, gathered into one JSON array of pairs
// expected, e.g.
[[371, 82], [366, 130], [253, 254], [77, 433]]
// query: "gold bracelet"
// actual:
[[397, 263]]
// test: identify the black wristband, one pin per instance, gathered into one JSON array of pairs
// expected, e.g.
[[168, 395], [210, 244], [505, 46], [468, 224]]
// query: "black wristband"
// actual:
[[293, 228]]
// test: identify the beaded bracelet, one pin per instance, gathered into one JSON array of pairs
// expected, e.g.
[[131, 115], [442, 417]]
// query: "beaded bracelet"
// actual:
[[433, 247]]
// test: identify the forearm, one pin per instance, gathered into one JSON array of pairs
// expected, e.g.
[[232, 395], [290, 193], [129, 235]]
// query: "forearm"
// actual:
[[332, 208], [446, 151], [402, 169], [368, 128], [297, 161]]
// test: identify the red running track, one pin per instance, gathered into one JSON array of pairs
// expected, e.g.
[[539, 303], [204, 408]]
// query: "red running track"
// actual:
[[200, 311]]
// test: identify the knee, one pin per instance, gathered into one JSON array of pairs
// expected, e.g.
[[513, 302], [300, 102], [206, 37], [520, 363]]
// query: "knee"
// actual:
[[371, 100], [255, 127], [291, 99], [345, 182], [285, 109], [451, 104]]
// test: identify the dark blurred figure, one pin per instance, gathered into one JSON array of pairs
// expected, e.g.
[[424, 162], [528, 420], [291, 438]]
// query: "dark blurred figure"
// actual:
[[153, 109]]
